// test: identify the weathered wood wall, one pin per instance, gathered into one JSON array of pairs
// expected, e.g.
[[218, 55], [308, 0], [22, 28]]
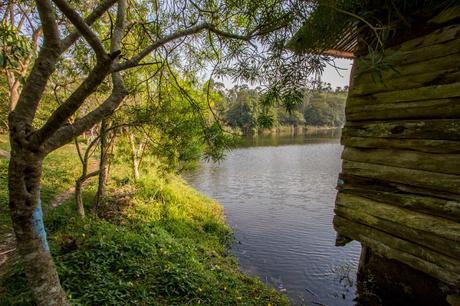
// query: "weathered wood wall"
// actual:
[[399, 190]]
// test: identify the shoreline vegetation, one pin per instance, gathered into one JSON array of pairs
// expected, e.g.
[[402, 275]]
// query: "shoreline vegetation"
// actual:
[[154, 241], [244, 112], [298, 130]]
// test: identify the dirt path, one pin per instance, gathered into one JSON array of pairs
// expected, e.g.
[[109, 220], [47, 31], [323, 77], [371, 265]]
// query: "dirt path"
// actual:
[[63, 197]]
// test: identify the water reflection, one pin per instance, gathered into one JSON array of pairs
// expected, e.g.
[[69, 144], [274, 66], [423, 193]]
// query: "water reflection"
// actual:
[[307, 136], [279, 198]]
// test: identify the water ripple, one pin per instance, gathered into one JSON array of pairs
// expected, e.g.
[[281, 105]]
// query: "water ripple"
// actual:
[[280, 202]]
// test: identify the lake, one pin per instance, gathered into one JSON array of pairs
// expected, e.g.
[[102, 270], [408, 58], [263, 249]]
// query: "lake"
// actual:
[[278, 193]]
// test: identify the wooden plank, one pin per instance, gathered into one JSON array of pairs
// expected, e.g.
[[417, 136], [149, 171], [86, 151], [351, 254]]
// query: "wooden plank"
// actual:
[[440, 163], [446, 15], [438, 244], [433, 92], [366, 80], [426, 240], [418, 178], [422, 145], [447, 209], [423, 53], [418, 57], [351, 183], [447, 262], [393, 248], [429, 109], [430, 226], [400, 195], [439, 36], [392, 80], [438, 129]]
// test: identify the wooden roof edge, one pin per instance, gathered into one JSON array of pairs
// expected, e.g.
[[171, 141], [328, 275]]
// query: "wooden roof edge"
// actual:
[[341, 47], [339, 53]]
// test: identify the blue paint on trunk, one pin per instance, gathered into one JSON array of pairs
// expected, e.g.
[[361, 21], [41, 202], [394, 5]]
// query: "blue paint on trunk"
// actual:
[[38, 225]]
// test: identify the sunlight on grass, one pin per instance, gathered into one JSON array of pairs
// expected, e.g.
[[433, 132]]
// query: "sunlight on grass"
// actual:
[[156, 241]]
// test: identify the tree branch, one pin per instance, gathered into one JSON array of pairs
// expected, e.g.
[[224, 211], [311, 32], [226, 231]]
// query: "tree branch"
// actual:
[[49, 25], [77, 146], [83, 28], [91, 174], [61, 115], [95, 15], [117, 80], [215, 30], [119, 26], [160, 42], [179, 34], [21, 118], [66, 133]]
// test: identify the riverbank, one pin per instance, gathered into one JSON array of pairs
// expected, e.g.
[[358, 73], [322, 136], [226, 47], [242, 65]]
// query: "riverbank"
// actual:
[[299, 130], [156, 241]]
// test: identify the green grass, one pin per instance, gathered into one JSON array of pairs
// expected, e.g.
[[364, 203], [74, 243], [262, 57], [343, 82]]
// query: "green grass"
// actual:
[[155, 242]]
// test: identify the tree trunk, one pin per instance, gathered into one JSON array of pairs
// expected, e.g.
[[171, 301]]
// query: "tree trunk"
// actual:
[[25, 171], [136, 169], [79, 181], [78, 198], [134, 155], [14, 96], [101, 187], [13, 86]]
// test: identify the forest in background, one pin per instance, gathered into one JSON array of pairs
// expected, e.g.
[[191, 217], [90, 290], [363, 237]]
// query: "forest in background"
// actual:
[[243, 110]]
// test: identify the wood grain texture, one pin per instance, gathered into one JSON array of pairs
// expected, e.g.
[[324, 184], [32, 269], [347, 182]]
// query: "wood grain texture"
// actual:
[[400, 249]]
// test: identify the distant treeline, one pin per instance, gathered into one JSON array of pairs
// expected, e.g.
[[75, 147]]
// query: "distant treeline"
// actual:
[[241, 109]]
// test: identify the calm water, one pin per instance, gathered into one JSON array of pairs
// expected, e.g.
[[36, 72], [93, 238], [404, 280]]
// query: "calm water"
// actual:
[[278, 194]]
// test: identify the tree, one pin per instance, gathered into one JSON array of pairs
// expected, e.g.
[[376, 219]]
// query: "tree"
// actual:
[[243, 109], [85, 175], [17, 50], [163, 28], [325, 108]]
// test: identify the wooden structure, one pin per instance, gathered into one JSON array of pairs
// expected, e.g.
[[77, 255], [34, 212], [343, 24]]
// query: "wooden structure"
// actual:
[[399, 189]]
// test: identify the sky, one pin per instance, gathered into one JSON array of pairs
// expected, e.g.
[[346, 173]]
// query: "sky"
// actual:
[[340, 78], [337, 77]]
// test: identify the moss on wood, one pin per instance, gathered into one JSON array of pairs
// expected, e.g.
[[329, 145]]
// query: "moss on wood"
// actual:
[[444, 208], [415, 94], [440, 163], [422, 145], [438, 129], [389, 247], [429, 109], [438, 36], [417, 178], [409, 79], [405, 218]]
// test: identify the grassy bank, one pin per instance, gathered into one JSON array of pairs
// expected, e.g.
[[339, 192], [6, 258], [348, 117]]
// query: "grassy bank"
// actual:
[[155, 242]]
